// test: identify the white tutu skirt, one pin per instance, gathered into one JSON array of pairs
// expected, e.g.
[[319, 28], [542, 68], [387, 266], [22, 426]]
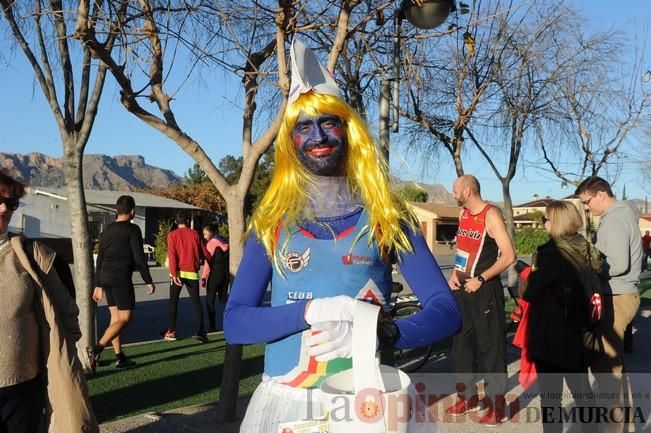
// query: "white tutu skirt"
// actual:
[[273, 403]]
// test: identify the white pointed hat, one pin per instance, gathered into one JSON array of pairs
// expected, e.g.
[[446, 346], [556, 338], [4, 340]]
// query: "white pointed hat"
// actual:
[[309, 74]]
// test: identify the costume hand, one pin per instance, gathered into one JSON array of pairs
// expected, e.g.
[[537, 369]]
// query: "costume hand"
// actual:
[[335, 340], [335, 308], [97, 294], [454, 282], [472, 285], [177, 281], [152, 289]]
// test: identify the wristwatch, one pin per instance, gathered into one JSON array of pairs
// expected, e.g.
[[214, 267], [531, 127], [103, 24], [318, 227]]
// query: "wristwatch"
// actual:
[[481, 278]]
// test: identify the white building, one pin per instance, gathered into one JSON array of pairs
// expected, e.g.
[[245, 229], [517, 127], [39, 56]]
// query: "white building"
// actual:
[[43, 215]]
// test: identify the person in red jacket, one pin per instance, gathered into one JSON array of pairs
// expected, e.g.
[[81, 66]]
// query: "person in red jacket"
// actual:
[[185, 251]]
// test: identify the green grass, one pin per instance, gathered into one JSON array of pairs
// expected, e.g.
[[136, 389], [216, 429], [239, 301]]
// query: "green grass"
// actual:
[[169, 375]]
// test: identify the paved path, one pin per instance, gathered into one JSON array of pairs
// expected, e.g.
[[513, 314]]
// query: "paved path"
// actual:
[[201, 419]]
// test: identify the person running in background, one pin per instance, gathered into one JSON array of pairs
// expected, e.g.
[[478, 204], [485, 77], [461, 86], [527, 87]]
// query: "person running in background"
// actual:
[[185, 251], [120, 253], [215, 275]]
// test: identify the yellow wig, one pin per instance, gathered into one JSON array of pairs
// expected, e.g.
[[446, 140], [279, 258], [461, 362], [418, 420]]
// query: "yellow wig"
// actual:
[[366, 172]]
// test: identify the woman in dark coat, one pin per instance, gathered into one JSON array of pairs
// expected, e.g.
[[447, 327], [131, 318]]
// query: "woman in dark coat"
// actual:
[[559, 317]]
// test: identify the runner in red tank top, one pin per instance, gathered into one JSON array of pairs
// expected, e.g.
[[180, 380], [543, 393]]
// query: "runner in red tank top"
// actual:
[[484, 250], [476, 251]]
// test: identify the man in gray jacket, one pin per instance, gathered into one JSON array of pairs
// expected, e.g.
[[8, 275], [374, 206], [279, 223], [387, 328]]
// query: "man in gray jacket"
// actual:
[[619, 239]]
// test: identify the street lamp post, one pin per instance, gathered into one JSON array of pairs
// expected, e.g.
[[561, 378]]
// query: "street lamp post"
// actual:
[[425, 14]]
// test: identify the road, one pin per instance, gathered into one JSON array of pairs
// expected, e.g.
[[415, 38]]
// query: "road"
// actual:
[[150, 315]]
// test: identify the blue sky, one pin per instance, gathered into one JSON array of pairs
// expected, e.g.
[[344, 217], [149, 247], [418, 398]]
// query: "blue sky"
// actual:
[[211, 115]]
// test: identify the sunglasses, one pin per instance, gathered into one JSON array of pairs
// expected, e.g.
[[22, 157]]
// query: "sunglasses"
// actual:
[[587, 202], [11, 202], [544, 220]]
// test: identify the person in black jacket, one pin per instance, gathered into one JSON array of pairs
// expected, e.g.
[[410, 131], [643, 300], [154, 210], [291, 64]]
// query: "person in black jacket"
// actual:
[[559, 316], [120, 253]]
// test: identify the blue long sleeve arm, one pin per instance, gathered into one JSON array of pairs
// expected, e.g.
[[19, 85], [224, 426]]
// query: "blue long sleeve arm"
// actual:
[[245, 320], [440, 316]]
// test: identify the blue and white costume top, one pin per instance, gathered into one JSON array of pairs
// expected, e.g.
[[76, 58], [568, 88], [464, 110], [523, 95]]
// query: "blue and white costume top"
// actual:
[[321, 272], [319, 268]]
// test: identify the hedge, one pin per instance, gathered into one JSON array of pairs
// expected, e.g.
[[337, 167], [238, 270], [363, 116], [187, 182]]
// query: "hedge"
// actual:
[[528, 239]]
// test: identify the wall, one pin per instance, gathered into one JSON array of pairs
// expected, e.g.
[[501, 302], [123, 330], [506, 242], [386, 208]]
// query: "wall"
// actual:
[[41, 217]]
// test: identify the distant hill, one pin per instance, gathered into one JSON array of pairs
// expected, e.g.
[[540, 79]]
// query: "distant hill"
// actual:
[[436, 193], [118, 173]]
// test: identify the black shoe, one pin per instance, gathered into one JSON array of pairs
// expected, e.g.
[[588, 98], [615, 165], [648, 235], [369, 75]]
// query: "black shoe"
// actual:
[[92, 359], [124, 363], [202, 337]]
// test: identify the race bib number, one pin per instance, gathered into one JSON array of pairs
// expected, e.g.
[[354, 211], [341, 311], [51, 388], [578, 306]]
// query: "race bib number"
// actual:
[[461, 260], [310, 426]]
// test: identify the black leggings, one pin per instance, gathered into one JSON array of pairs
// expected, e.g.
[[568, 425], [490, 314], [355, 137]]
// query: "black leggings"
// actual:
[[217, 285], [480, 346], [193, 291], [21, 407]]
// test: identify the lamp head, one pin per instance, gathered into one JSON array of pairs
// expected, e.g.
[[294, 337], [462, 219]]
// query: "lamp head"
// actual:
[[430, 15]]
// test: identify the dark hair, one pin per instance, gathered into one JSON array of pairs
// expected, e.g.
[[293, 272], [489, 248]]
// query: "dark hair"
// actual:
[[211, 227], [593, 185], [125, 204], [11, 186], [181, 217]]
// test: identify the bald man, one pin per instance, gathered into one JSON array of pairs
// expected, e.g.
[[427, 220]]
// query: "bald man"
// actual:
[[484, 251]]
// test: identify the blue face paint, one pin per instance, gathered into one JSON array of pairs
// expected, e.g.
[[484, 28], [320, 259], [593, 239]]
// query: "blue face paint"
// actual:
[[320, 142]]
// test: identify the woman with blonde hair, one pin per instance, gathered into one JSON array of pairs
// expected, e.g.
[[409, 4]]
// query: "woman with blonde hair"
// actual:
[[559, 314], [324, 235]]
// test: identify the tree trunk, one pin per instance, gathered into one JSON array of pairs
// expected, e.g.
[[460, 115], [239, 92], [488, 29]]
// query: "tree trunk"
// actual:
[[229, 390], [456, 156], [510, 227], [81, 250]]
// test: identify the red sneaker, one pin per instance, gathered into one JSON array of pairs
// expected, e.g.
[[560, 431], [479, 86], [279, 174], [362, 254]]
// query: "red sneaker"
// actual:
[[462, 406], [493, 418], [169, 335]]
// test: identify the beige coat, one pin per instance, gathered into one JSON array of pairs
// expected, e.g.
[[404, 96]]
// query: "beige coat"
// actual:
[[67, 394]]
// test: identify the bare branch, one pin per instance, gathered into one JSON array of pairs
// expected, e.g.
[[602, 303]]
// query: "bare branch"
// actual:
[[44, 78], [66, 64]]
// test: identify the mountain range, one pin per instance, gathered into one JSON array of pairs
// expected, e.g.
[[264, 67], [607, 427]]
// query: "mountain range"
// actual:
[[115, 173], [126, 173], [130, 172]]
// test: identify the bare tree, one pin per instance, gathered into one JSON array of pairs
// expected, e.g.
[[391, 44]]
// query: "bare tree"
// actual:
[[538, 54], [500, 88], [40, 28], [598, 109], [448, 77], [248, 38]]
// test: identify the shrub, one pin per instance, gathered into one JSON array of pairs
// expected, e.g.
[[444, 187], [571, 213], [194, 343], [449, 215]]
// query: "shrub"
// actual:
[[160, 241], [528, 239], [411, 193]]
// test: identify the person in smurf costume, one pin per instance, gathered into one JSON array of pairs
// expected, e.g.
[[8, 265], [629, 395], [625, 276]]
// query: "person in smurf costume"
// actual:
[[325, 235]]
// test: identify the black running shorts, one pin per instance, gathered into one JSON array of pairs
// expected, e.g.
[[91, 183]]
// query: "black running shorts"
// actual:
[[122, 296]]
